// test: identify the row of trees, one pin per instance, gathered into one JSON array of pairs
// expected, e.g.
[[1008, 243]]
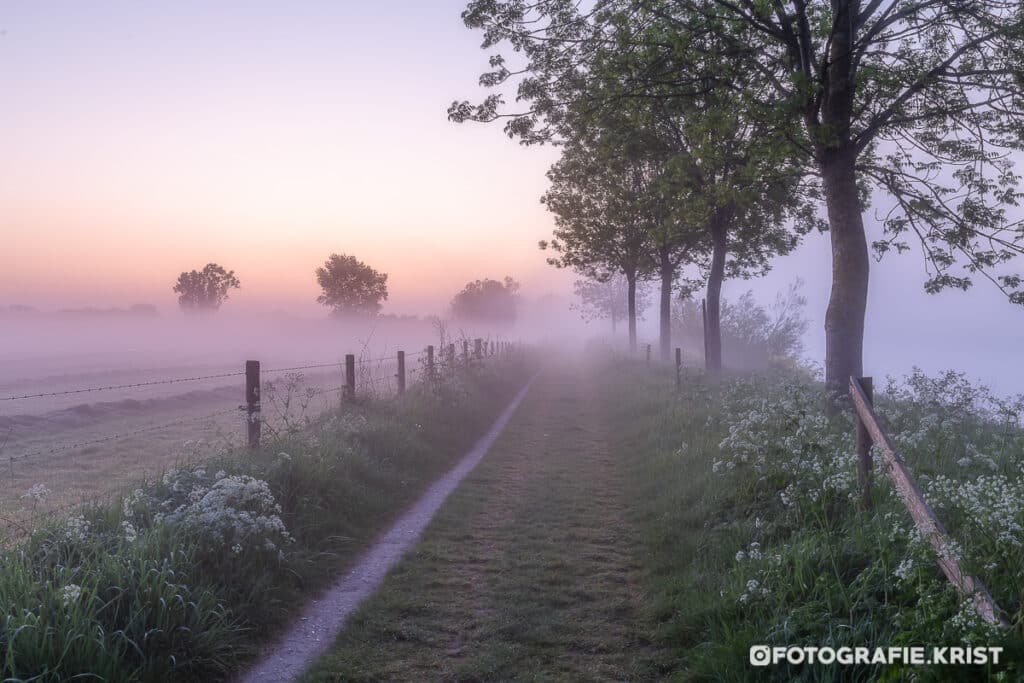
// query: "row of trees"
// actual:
[[353, 288], [707, 133]]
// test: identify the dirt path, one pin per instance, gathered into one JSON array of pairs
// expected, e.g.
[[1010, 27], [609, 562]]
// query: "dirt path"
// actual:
[[316, 629], [526, 573]]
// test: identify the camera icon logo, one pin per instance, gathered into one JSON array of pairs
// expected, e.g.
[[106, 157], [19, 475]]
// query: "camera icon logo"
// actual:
[[760, 655]]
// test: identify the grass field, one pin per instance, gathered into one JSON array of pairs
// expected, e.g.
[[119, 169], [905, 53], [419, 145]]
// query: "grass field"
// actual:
[[84, 447], [186, 576]]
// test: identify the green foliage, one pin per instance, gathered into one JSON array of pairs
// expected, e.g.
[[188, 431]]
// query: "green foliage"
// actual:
[[350, 287], [754, 337], [188, 573], [748, 497], [205, 290]]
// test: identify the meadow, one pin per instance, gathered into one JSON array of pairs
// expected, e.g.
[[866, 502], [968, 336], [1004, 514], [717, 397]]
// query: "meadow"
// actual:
[[182, 575]]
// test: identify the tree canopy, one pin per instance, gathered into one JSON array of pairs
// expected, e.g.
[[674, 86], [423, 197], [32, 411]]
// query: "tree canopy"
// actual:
[[489, 302], [350, 287], [206, 289], [919, 101], [609, 299]]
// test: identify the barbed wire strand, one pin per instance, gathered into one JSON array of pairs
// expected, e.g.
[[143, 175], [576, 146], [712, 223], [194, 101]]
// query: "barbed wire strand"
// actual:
[[120, 435]]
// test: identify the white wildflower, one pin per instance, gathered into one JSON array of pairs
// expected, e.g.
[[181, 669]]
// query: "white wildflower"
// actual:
[[38, 493], [70, 594]]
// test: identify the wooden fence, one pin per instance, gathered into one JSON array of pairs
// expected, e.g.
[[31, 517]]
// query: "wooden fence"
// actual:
[[870, 433], [481, 349]]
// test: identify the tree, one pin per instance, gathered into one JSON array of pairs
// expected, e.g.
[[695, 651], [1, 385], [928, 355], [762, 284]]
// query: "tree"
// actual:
[[487, 302], [350, 287], [705, 184], [602, 215], [205, 290], [921, 99], [610, 298]]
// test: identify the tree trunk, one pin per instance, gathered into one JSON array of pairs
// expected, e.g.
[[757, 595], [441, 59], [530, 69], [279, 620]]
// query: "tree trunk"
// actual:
[[631, 307], [668, 275], [844, 319], [713, 333]]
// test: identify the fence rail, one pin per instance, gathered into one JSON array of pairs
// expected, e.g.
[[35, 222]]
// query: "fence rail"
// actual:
[[924, 517], [870, 433]]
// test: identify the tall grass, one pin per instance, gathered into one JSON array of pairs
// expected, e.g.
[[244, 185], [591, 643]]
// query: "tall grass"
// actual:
[[185, 575], [747, 496]]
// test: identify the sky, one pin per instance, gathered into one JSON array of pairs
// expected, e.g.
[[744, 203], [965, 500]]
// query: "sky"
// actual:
[[142, 139]]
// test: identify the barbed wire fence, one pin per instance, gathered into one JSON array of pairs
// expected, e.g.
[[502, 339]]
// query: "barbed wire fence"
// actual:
[[276, 401]]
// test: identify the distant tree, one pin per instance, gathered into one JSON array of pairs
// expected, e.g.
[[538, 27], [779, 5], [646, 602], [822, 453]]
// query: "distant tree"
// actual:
[[350, 286], [753, 336], [205, 290], [608, 298], [487, 301]]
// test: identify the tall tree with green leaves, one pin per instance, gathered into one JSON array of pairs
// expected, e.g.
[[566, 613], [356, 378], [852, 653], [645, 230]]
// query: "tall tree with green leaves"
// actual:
[[615, 212], [350, 287], [920, 100]]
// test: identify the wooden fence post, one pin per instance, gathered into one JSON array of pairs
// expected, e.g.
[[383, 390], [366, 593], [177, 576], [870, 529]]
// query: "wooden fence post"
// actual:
[[478, 344], [401, 372], [451, 357], [648, 355], [430, 362], [864, 464], [679, 368], [465, 351], [252, 403], [704, 328], [350, 376]]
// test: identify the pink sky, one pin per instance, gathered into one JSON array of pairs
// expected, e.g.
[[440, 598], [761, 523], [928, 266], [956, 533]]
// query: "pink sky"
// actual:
[[142, 139], [139, 142]]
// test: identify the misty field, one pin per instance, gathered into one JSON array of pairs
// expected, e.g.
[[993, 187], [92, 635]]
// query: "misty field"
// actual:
[[77, 427], [186, 572]]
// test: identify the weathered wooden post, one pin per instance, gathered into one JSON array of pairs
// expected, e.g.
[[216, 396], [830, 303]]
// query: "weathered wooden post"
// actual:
[[465, 352], [401, 372], [864, 464], [253, 420], [704, 326], [478, 344], [648, 355], [350, 376], [492, 348], [430, 363], [679, 368], [451, 357]]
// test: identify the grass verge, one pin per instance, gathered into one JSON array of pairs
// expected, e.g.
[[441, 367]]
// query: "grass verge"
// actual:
[[187, 574], [745, 494]]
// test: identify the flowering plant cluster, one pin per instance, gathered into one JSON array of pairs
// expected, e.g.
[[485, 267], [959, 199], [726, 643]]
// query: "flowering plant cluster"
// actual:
[[235, 513], [782, 453]]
